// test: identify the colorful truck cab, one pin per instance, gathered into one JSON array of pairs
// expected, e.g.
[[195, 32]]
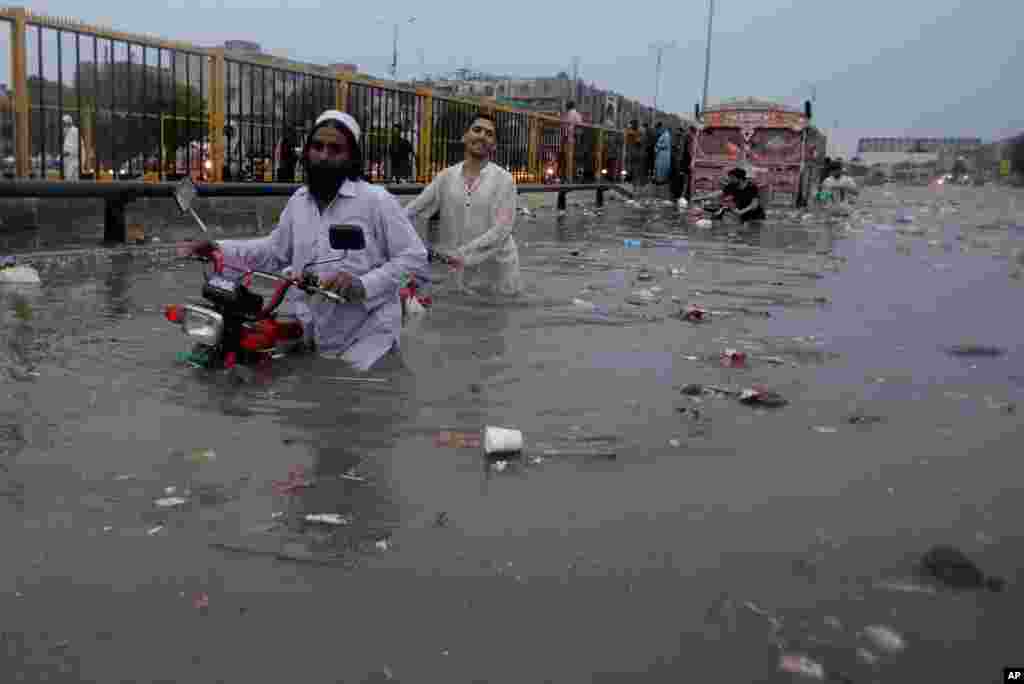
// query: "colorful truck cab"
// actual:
[[776, 144]]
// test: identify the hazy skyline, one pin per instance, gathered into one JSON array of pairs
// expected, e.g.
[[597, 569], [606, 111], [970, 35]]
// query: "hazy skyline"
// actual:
[[881, 68]]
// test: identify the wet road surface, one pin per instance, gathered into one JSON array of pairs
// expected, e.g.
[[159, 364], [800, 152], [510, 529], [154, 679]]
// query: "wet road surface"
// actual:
[[718, 537]]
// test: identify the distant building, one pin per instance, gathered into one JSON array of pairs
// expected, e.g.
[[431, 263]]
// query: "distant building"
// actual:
[[943, 152], [547, 95]]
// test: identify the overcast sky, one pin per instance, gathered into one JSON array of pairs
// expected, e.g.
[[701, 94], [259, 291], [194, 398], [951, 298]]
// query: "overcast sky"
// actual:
[[881, 67]]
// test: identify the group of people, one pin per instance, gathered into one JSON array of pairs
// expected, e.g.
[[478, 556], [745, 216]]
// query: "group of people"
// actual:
[[475, 198], [656, 154], [477, 203]]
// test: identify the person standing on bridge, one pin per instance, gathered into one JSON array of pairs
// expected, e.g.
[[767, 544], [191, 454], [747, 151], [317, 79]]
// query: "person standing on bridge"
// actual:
[[572, 119], [401, 153], [663, 160], [71, 149], [367, 327], [477, 201], [636, 149]]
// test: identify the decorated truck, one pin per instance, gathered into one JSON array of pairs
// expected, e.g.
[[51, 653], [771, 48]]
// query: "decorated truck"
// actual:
[[781, 152]]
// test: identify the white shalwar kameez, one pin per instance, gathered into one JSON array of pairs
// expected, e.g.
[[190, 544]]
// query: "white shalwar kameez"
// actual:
[[477, 222], [359, 333]]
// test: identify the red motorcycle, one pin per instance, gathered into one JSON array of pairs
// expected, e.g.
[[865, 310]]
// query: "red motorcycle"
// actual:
[[234, 325]]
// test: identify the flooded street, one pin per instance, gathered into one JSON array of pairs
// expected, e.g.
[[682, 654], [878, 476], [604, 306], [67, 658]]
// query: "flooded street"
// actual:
[[155, 515]]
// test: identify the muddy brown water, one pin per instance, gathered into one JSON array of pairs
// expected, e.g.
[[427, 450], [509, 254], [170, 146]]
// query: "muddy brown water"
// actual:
[[566, 565]]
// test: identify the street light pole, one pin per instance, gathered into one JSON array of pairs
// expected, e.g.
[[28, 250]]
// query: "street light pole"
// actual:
[[660, 47], [707, 56], [394, 48]]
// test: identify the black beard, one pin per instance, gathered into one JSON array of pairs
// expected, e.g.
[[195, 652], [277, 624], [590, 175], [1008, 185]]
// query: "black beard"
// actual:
[[324, 180]]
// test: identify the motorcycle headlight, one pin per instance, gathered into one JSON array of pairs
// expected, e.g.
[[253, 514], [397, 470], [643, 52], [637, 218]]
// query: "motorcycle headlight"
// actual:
[[203, 325]]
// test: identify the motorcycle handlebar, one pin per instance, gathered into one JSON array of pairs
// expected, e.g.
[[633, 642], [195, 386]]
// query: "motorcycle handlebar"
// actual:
[[297, 282], [305, 287]]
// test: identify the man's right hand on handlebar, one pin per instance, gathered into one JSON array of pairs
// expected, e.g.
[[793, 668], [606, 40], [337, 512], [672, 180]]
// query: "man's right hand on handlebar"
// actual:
[[197, 248]]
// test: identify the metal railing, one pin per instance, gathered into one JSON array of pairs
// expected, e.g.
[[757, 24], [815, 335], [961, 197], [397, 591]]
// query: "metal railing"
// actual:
[[155, 110]]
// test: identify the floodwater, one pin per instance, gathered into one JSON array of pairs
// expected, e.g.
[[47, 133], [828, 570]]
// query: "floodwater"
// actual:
[[717, 538]]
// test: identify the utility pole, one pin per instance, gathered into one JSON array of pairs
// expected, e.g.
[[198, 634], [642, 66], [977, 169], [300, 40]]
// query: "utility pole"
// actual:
[[660, 48], [394, 46], [707, 57]]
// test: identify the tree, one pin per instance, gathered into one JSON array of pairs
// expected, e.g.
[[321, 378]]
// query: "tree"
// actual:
[[129, 111]]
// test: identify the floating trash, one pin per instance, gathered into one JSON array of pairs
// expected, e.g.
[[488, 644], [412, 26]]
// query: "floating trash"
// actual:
[[972, 350], [333, 519], [884, 638], [170, 502], [458, 440], [801, 665], [952, 567], [732, 358], [761, 396]]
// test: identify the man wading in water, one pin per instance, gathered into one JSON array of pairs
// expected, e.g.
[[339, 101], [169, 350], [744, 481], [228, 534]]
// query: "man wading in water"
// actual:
[[477, 201]]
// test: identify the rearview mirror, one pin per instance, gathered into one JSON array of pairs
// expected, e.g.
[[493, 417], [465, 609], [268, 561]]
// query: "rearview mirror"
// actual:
[[347, 238], [185, 194]]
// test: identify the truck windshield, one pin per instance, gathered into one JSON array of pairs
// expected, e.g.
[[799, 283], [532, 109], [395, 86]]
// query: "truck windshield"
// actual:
[[721, 142], [775, 144]]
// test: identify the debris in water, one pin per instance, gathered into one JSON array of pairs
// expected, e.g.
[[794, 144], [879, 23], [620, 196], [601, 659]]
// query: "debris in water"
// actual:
[[154, 530], [975, 350], [825, 429], [674, 443], [755, 609], [296, 481], [885, 639], [458, 440], [328, 519], [761, 396], [382, 544], [801, 665], [905, 587], [952, 567], [695, 314], [732, 358], [866, 656], [202, 455], [201, 602], [863, 419], [170, 502]]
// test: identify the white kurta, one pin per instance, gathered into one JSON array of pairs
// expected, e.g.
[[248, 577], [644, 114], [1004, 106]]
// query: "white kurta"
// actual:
[[476, 224], [71, 154], [360, 333]]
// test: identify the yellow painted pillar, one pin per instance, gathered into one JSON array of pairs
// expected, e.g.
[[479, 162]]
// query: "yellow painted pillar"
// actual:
[[533, 153], [217, 107], [425, 136], [569, 152], [19, 77], [341, 82]]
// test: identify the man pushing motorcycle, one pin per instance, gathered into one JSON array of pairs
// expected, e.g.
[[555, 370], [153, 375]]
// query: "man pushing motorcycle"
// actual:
[[368, 326]]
